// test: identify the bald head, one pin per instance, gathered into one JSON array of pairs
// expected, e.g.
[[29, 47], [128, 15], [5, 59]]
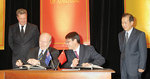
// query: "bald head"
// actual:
[[46, 36], [44, 41]]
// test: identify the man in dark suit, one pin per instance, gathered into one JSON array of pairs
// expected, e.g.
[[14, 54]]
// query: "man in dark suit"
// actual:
[[82, 55], [43, 55], [133, 49], [22, 36]]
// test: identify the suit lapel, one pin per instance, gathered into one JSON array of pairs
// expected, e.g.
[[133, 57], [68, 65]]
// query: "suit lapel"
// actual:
[[50, 51], [132, 35], [18, 31], [123, 40], [81, 52], [36, 53], [123, 37], [70, 54], [44, 56], [27, 30]]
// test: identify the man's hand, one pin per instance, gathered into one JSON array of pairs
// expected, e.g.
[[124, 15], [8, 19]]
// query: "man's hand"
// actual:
[[86, 64], [19, 63], [33, 62], [75, 62], [140, 70]]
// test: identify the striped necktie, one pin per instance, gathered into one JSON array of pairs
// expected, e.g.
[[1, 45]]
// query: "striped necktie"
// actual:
[[41, 55]]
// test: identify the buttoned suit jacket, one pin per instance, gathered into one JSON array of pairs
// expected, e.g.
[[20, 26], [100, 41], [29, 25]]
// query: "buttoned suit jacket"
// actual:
[[134, 52], [20, 45]]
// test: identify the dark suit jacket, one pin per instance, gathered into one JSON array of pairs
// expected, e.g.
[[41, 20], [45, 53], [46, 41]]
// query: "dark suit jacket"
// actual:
[[134, 52], [87, 54], [54, 53], [20, 46]]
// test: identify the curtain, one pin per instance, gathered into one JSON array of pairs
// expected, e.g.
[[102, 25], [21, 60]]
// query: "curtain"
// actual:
[[105, 24], [33, 8]]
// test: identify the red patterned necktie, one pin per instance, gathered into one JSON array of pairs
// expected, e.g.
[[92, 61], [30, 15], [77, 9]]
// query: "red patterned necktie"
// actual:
[[76, 54]]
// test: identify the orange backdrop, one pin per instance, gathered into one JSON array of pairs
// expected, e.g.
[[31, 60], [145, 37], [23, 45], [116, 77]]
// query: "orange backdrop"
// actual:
[[140, 9], [59, 17], [2, 23]]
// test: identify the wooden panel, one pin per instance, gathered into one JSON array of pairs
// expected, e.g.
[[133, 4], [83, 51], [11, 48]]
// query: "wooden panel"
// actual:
[[51, 74], [2, 74], [60, 75]]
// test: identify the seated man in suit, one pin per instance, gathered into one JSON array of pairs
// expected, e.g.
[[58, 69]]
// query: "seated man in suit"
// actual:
[[43, 55], [82, 55]]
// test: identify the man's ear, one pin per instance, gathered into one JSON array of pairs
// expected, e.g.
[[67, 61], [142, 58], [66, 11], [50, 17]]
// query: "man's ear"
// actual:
[[17, 17], [50, 43], [132, 22]]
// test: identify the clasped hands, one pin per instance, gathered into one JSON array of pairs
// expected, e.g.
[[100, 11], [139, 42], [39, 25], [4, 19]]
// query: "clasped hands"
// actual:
[[30, 61]]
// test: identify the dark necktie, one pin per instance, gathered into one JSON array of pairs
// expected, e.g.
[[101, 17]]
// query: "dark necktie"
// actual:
[[41, 55], [126, 37], [22, 31], [75, 52]]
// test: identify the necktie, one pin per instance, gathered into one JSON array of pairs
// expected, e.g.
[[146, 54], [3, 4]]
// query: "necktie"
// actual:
[[126, 37], [75, 52], [40, 56], [22, 31]]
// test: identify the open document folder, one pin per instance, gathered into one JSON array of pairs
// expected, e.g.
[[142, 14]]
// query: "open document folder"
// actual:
[[92, 67], [31, 67]]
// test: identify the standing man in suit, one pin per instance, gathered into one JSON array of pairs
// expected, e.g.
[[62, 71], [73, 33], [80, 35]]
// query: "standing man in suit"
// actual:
[[82, 55], [43, 55], [22, 36], [133, 49]]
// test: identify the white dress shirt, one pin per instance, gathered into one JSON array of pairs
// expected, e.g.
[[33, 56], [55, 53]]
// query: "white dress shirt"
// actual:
[[42, 52], [24, 28], [129, 32], [77, 50]]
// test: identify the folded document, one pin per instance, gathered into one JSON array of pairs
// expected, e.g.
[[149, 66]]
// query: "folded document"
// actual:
[[31, 67], [92, 67]]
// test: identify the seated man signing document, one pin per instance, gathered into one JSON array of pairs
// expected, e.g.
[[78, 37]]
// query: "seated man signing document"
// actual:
[[43, 55], [79, 54]]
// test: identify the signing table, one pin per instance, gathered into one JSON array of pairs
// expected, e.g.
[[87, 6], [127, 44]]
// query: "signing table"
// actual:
[[58, 74]]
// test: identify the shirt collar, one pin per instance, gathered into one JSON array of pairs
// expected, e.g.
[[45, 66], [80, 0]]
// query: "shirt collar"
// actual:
[[78, 49], [41, 50], [129, 32], [23, 27]]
